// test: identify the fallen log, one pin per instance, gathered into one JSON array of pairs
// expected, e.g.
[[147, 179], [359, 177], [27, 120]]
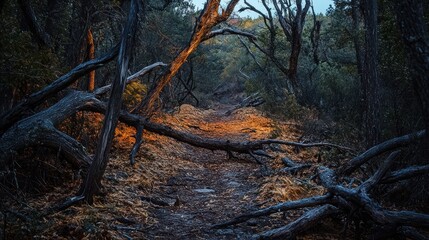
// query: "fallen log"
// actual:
[[306, 221], [346, 200], [198, 141]]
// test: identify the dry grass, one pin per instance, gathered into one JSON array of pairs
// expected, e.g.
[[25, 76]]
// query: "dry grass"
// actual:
[[279, 188]]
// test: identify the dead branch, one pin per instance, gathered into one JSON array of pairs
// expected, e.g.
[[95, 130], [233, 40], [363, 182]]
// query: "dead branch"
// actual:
[[39, 129], [406, 173], [379, 149], [376, 178], [345, 200], [281, 207], [229, 31], [306, 221], [16, 113], [133, 77], [373, 209], [226, 145], [251, 54]]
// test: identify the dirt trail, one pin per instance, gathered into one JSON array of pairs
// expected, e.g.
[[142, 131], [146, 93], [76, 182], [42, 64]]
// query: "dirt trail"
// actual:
[[216, 187], [175, 191], [207, 195]]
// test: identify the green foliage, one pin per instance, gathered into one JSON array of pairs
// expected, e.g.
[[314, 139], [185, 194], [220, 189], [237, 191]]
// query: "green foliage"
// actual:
[[134, 94], [338, 90], [23, 65]]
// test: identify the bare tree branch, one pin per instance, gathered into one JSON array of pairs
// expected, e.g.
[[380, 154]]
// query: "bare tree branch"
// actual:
[[10, 117], [131, 78], [379, 149], [229, 31], [306, 202]]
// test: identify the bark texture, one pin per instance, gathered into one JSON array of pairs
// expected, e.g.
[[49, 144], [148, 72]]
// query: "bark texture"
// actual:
[[370, 74], [92, 182]]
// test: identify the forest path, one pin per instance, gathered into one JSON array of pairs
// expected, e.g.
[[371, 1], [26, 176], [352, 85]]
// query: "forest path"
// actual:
[[204, 196], [174, 190], [208, 187]]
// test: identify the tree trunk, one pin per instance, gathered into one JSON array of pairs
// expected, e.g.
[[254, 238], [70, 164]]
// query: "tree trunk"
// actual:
[[410, 15], [315, 37], [371, 80], [209, 18], [55, 21], [415, 35], [91, 54], [34, 26], [292, 25], [92, 183], [358, 51], [293, 59]]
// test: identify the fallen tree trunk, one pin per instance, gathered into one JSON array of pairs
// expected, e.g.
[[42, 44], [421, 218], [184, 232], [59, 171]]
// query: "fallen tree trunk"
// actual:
[[406, 173], [198, 141], [373, 209], [39, 129], [87, 101]]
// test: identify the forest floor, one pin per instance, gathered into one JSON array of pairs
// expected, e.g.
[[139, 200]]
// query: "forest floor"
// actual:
[[176, 191]]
